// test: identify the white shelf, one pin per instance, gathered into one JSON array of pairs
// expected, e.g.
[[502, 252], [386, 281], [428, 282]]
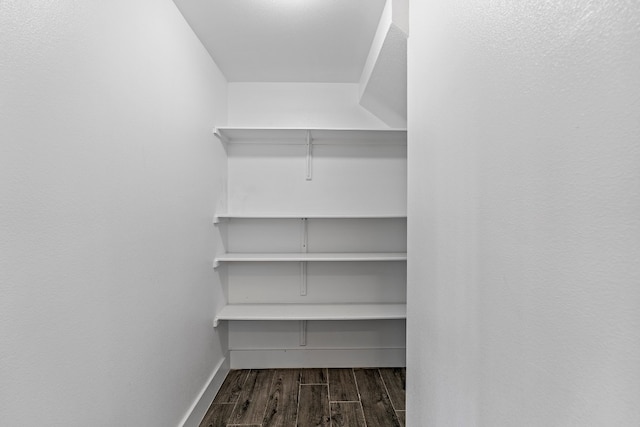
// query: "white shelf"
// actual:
[[294, 136], [299, 257], [311, 312], [217, 218]]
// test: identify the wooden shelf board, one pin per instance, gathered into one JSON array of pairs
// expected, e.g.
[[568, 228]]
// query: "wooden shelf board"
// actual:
[[311, 312], [315, 257]]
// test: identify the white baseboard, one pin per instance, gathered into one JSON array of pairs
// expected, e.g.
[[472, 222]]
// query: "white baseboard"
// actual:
[[318, 358], [199, 408]]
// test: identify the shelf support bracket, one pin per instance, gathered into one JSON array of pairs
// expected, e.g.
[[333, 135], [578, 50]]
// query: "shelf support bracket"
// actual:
[[304, 249], [303, 278], [309, 156], [219, 135], [303, 333]]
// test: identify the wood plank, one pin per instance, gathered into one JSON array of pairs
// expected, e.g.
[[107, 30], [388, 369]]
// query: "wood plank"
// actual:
[[396, 382], [282, 407], [231, 387], [347, 414], [313, 408], [218, 415], [314, 376], [253, 398], [376, 405], [402, 418], [342, 385]]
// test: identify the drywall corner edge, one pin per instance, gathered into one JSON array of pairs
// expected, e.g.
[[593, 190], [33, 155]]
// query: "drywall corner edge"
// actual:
[[400, 14], [199, 408], [386, 19], [382, 89]]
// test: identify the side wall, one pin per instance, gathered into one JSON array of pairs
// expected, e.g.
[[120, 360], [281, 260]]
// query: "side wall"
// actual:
[[524, 214], [109, 176]]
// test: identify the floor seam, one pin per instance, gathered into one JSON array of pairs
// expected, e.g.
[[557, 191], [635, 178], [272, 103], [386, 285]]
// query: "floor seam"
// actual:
[[353, 372]]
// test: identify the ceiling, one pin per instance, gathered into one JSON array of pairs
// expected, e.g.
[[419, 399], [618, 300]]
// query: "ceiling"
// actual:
[[286, 40]]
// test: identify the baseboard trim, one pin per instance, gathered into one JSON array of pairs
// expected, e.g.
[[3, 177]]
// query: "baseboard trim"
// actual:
[[318, 358], [199, 408]]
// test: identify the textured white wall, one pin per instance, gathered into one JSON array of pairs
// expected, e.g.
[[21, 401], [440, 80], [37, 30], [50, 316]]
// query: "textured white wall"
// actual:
[[524, 214], [310, 105], [109, 173]]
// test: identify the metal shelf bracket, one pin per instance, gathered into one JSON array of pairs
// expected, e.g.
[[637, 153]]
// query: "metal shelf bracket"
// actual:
[[304, 249], [309, 156], [303, 333]]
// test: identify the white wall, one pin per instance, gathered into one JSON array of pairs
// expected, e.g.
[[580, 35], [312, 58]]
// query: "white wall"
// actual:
[[383, 83], [109, 174], [524, 214], [401, 14], [305, 105]]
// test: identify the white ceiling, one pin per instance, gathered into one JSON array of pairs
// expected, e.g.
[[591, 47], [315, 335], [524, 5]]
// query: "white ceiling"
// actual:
[[286, 40]]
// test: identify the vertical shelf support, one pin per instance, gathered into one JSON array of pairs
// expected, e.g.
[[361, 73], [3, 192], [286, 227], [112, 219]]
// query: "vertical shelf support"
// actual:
[[303, 278], [303, 333], [304, 248], [305, 236], [303, 264], [309, 156]]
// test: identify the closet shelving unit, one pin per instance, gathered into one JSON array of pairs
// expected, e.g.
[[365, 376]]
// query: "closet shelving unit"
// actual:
[[319, 202]]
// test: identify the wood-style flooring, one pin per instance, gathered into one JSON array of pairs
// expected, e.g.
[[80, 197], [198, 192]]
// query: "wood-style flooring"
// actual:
[[310, 397]]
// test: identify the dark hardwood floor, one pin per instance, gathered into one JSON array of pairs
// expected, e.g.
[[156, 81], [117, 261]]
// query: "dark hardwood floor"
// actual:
[[310, 398]]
